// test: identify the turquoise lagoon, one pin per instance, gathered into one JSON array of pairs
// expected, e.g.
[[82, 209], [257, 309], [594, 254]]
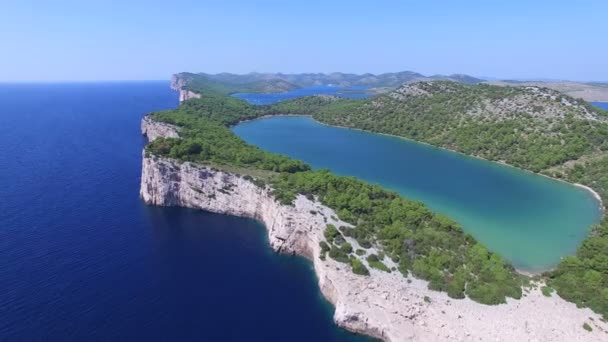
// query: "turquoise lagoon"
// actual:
[[531, 220]]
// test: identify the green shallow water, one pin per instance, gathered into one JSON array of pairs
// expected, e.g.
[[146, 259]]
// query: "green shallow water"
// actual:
[[530, 220]]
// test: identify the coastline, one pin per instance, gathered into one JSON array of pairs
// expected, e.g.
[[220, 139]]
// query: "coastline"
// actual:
[[388, 306], [593, 192]]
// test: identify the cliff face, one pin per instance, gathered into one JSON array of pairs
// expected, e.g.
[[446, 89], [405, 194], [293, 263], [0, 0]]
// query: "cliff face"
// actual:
[[152, 129], [169, 183], [382, 305], [296, 229], [178, 83]]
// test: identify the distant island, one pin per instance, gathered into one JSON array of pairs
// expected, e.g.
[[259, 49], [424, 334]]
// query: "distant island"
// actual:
[[380, 83], [276, 83], [394, 269]]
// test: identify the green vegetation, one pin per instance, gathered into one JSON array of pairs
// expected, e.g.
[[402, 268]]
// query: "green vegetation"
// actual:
[[358, 267], [324, 249], [587, 327], [547, 291], [593, 173], [204, 138], [583, 278], [331, 233], [375, 262], [339, 254]]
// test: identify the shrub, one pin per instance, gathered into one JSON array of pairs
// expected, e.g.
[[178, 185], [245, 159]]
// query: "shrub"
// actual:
[[358, 267], [346, 248], [338, 255], [374, 262], [330, 233]]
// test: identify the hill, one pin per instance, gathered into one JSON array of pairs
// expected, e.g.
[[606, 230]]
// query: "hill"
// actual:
[[227, 83], [529, 127], [591, 91]]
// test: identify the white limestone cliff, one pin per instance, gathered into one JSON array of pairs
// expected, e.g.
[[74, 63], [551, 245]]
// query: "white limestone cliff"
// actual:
[[153, 129], [178, 83], [383, 305]]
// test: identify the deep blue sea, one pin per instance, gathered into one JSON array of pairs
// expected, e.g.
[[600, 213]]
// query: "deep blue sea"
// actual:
[[268, 98], [83, 259]]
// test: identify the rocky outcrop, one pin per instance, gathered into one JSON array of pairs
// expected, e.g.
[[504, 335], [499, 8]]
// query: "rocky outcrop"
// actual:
[[154, 129], [383, 305], [169, 183], [178, 83]]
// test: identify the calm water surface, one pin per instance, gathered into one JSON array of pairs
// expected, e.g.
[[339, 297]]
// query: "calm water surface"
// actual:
[[530, 220], [83, 259]]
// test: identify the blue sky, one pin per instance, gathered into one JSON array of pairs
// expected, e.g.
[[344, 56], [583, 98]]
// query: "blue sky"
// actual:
[[133, 40]]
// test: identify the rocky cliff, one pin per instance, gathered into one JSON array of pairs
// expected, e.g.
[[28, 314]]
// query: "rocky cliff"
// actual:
[[383, 305], [178, 83], [153, 129]]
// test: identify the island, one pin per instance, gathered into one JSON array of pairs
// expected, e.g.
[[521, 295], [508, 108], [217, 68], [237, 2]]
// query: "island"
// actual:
[[393, 269]]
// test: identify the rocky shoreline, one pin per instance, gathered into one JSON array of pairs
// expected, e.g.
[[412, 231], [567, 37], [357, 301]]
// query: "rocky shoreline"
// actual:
[[383, 305]]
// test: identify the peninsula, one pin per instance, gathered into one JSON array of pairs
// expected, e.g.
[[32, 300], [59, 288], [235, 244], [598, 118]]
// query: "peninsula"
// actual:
[[394, 269]]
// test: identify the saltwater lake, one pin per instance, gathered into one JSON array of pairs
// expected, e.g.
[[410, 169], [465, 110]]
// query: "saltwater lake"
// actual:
[[83, 259], [530, 220]]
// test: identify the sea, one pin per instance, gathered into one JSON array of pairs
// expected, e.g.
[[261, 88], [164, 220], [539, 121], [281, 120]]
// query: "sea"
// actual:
[[82, 258]]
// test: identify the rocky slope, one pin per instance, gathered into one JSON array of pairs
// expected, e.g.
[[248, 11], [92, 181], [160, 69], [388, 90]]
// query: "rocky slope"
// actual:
[[178, 83], [594, 92], [153, 129], [382, 305], [531, 101]]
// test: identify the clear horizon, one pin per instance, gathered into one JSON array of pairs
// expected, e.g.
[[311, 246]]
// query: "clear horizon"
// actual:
[[68, 41]]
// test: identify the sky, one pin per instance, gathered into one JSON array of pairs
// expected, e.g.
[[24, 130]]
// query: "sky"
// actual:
[[140, 40]]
